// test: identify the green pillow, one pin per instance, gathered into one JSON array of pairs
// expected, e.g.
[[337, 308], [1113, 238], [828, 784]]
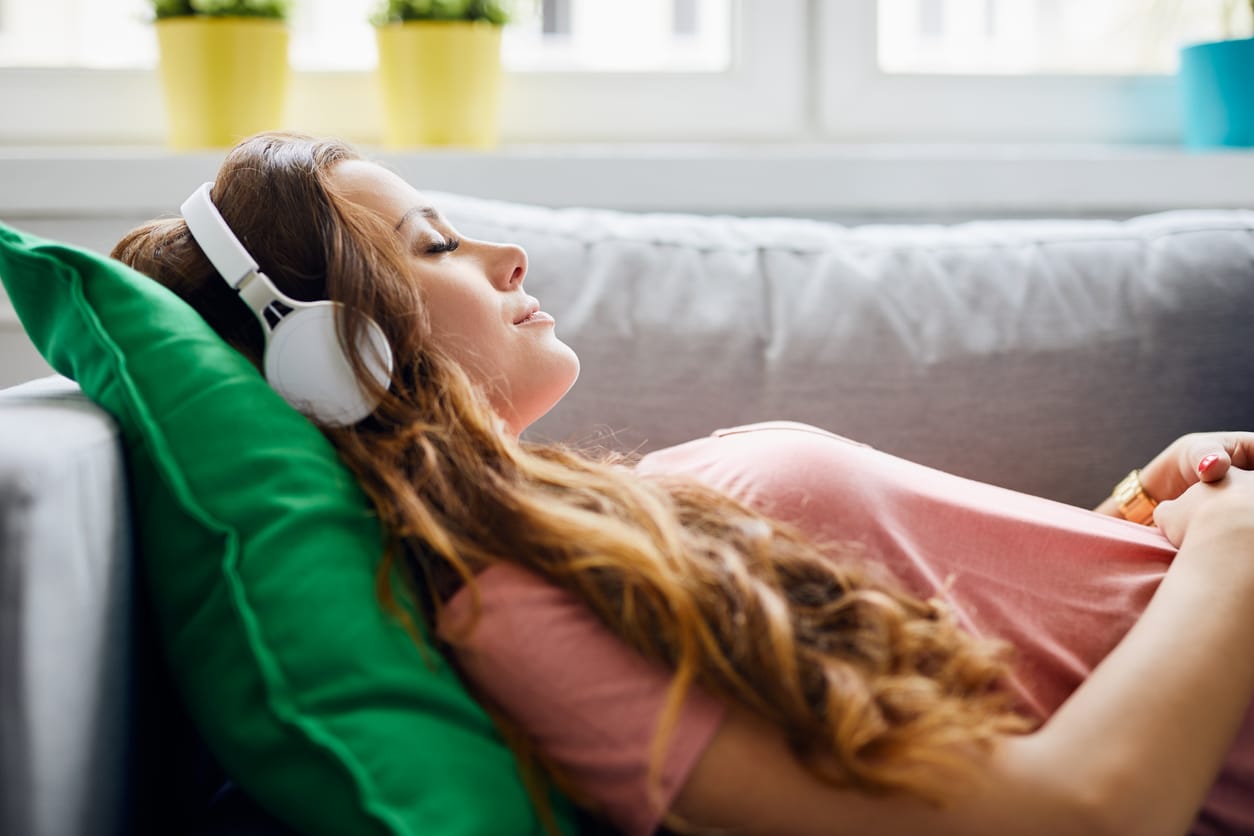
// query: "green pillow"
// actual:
[[260, 552]]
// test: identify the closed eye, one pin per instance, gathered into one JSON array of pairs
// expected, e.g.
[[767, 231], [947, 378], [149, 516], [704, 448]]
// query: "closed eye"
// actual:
[[445, 246]]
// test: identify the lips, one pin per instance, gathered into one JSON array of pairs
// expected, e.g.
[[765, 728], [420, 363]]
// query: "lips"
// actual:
[[539, 317], [528, 312]]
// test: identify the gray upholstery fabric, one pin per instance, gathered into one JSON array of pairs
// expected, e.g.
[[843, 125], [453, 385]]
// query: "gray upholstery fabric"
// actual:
[[65, 609], [1046, 356]]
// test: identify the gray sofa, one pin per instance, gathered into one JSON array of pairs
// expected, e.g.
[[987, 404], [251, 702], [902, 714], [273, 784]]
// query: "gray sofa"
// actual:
[[1046, 356], [66, 598]]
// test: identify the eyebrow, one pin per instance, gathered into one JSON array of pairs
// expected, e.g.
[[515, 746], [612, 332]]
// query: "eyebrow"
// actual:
[[428, 212]]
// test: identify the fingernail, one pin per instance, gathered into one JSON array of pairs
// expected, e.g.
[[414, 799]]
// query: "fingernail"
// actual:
[[1205, 464]]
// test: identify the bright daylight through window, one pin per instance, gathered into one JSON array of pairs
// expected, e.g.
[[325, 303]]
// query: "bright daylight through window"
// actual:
[[1043, 36], [547, 35], [681, 70]]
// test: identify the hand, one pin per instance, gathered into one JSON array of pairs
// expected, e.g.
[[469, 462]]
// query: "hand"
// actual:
[[1197, 457], [1226, 502]]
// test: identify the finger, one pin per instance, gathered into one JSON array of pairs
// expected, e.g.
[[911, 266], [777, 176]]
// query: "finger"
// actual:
[[1240, 448], [1167, 517], [1213, 466], [1209, 456]]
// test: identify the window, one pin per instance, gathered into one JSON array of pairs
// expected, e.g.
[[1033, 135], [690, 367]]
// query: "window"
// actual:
[[1026, 71], [553, 35], [80, 71], [75, 33], [1041, 36], [641, 36]]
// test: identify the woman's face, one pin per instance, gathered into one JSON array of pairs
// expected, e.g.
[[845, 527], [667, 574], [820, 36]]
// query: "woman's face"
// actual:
[[480, 315]]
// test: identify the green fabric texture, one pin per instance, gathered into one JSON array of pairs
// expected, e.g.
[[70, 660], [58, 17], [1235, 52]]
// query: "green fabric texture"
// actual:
[[260, 550]]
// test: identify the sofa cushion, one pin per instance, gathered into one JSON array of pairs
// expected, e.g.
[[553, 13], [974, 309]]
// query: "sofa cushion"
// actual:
[[260, 552]]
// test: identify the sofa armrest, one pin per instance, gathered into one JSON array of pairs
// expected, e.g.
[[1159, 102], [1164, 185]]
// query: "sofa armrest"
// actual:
[[65, 618]]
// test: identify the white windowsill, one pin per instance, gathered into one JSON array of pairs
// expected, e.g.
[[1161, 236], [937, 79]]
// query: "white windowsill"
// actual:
[[817, 180]]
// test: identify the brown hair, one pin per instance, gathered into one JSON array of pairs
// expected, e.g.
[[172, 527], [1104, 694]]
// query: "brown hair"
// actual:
[[854, 672]]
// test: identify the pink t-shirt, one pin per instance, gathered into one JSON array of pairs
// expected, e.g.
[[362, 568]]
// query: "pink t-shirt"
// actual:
[[1062, 584]]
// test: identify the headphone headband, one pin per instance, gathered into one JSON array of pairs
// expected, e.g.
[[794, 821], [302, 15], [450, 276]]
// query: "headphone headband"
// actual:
[[216, 239]]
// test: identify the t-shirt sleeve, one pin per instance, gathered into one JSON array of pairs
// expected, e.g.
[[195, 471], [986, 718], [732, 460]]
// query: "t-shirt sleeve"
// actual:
[[589, 701]]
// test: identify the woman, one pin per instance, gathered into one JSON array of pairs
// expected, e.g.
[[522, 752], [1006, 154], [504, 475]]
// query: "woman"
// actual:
[[730, 594]]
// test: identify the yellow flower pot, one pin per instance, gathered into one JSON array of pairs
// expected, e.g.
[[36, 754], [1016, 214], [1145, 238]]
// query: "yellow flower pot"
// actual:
[[224, 78], [441, 83]]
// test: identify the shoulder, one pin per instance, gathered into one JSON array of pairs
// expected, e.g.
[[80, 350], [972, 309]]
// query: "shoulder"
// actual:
[[761, 445], [776, 459]]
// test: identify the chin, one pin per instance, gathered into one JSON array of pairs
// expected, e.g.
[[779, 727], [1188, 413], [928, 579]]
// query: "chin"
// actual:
[[556, 384], [573, 372]]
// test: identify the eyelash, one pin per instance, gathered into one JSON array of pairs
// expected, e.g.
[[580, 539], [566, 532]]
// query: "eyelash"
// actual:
[[445, 246]]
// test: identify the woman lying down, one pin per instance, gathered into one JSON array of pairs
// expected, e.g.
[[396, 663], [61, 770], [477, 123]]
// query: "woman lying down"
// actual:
[[773, 630]]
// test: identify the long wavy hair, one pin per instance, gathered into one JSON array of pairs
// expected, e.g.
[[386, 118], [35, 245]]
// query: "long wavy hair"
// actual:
[[873, 688]]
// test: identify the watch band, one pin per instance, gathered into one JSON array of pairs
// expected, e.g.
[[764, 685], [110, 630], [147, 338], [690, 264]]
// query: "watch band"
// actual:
[[1134, 503]]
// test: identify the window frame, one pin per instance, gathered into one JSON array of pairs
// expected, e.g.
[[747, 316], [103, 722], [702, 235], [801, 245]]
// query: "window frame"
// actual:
[[762, 96]]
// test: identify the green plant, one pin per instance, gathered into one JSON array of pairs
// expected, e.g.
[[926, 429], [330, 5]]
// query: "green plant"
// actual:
[[1171, 18], [497, 12], [273, 9], [1230, 9]]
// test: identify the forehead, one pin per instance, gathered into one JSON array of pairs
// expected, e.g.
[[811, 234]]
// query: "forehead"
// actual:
[[377, 188]]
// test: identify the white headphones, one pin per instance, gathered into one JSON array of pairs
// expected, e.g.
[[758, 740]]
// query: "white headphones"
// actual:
[[303, 359]]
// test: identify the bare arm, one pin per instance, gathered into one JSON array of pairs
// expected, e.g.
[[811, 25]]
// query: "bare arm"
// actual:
[[1134, 750]]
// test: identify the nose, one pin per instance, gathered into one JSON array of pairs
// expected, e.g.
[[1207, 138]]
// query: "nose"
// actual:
[[509, 267]]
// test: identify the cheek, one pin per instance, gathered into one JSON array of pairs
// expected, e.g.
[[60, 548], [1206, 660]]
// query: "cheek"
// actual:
[[479, 356], [492, 363], [464, 325]]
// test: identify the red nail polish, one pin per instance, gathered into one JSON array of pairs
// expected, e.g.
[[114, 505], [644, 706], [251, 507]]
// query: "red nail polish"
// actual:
[[1205, 464]]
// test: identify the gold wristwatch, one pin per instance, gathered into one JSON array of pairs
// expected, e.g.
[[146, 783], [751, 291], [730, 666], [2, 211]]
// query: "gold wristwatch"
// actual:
[[1134, 503]]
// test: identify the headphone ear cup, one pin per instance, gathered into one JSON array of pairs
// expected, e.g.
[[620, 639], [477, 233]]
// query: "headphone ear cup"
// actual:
[[304, 364]]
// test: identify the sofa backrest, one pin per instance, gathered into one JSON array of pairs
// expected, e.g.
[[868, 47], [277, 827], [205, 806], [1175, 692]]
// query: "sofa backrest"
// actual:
[[1045, 356]]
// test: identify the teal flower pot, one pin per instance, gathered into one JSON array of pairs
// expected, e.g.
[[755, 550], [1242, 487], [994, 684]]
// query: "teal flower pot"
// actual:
[[1217, 90]]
